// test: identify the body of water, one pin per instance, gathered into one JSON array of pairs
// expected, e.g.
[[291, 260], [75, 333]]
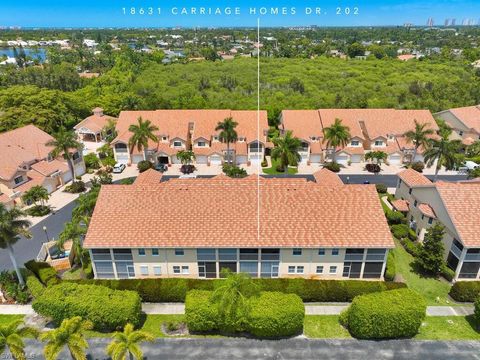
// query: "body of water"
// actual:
[[34, 53]]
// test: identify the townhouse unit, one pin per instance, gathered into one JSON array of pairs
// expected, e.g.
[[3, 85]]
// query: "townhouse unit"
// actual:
[[271, 227], [26, 161], [194, 130], [370, 130], [93, 127], [464, 121], [454, 205]]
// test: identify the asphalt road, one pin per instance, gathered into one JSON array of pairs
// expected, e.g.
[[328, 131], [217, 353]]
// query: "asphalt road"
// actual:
[[237, 348], [28, 249]]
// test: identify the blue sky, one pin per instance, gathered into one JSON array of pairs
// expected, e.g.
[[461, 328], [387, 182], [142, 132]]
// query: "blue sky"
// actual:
[[109, 13]]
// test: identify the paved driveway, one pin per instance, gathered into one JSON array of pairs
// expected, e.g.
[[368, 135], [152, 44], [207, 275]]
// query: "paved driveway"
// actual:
[[221, 349]]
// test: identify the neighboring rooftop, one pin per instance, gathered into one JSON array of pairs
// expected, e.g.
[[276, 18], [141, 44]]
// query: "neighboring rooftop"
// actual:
[[326, 177], [95, 122], [413, 178], [222, 212], [469, 115]]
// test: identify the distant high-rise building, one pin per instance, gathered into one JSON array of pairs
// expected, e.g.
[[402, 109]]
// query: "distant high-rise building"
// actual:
[[447, 22], [430, 22], [453, 22]]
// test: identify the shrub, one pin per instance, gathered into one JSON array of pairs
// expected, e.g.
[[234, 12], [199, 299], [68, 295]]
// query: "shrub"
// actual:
[[200, 314], [234, 171], [387, 315], [44, 272], [34, 285], [381, 188], [274, 314], [280, 168], [413, 248], [465, 291], [400, 231], [477, 311], [91, 161], [187, 169], [447, 273], [11, 288], [395, 218], [390, 272], [418, 166], [144, 165], [332, 166], [38, 210], [313, 290], [107, 309], [76, 187], [373, 168], [264, 163]]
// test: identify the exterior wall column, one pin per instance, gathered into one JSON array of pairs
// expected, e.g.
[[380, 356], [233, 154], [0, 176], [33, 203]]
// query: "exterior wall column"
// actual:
[[113, 264], [460, 263], [93, 264], [363, 263], [384, 266]]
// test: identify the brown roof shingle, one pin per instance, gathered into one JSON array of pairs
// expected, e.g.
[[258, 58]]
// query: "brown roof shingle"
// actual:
[[413, 178], [319, 216]]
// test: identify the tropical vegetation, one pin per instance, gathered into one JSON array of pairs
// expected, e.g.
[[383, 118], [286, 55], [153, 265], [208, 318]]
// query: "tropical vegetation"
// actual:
[[127, 343], [227, 135], [419, 137], [64, 143], [142, 132], [11, 338], [285, 150]]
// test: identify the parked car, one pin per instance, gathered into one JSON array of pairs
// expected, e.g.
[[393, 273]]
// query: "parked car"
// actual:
[[118, 168], [161, 167], [366, 182], [470, 165]]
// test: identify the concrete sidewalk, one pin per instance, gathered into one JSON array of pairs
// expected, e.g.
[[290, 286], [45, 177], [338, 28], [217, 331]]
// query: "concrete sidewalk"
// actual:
[[310, 309]]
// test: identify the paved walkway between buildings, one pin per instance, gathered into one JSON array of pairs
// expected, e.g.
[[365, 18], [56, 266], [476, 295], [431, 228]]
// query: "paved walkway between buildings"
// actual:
[[310, 309]]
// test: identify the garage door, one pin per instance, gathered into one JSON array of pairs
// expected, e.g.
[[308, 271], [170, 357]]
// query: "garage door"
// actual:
[[175, 160], [394, 159], [255, 159], [66, 177], [50, 188], [215, 160], [241, 159], [316, 158], [137, 158], [356, 158], [201, 159], [342, 159], [122, 158]]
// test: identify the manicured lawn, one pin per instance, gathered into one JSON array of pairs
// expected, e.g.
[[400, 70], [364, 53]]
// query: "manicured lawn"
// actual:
[[5, 319], [72, 274], [324, 327], [273, 170], [434, 291], [448, 328]]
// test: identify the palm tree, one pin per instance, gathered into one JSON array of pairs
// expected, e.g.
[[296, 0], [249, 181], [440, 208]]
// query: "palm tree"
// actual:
[[75, 232], [443, 151], [71, 333], [127, 342], [378, 156], [63, 142], [419, 137], [186, 156], [336, 135], [286, 149], [11, 336], [227, 133], [231, 297], [35, 194], [11, 227], [141, 133]]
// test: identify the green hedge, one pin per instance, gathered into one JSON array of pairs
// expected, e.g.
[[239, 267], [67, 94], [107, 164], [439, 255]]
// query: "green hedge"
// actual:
[[465, 291], [274, 314], [271, 314], [390, 271], [200, 314], [45, 273], [477, 311], [387, 315], [34, 285], [309, 290], [107, 309]]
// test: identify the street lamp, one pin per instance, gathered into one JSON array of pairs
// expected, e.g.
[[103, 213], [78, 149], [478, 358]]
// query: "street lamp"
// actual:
[[46, 233]]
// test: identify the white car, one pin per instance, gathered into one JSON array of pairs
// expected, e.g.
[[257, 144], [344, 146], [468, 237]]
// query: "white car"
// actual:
[[118, 168], [470, 165]]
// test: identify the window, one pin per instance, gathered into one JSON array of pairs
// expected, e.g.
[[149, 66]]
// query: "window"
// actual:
[[270, 254], [291, 269], [332, 270], [201, 143], [430, 220], [320, 269], [185, 270], [372, 270], [249, 267], [410, 191], [376, 254], [177, 143], [206, 254], [141, 252], [179, 252], [154, 252], [241, 139], [176, 269], [269, 269], [227, 254], [122, 254], [300, 269], [335, 252], [144, 270], [415, 203], [354, 143], [399, 183], [297, 251], [157, 270], [248, 254], [321, 252], [378, 143], [18, 180], [164, 138], [460, 133], [75, 156]]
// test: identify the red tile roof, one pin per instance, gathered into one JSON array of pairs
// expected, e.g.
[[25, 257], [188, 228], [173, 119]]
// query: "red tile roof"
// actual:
[[47, 168], [427, 210], [174, 214], [400, 205], [95, 122], [148, 177], [462, 201], [413, 178], [327, 178], [469, 115]]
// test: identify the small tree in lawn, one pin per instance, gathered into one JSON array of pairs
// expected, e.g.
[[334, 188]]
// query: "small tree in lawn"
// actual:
[[35, 194], [186, 156], [377, 156], [127, 343], [430, 257], [286, 149]]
